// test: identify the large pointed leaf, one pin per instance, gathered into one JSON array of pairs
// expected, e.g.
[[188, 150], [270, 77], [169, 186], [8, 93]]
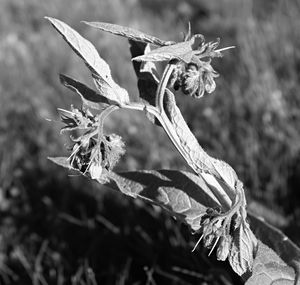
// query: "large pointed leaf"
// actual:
[[89, 97], [130, 33], [183, 194], [99, 68]]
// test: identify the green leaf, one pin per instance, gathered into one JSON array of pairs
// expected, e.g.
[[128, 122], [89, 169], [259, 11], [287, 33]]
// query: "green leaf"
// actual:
[[269, 269], [185, 195], [182, 51], [89, 97], [98, 67], [277, 241], [130, 33]]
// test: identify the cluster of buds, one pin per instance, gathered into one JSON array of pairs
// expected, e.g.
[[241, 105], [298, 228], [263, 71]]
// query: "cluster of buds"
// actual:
[[197, 77], [96, 156], [93, 153], [194, 80], [216, 234]]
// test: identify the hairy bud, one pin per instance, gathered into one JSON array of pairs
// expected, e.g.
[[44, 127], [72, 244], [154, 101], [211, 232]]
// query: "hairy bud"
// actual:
[[224, 247]]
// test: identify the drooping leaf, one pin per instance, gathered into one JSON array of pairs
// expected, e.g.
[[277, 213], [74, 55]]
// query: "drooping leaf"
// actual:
[[184, 195], [89, 97], [277, 241], [182, 51], [130, 33], [270, 269], [98, 67]]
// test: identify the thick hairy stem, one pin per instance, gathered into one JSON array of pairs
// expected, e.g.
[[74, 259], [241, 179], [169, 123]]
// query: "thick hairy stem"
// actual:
[[190, 149], [171, 119], [160, 93]]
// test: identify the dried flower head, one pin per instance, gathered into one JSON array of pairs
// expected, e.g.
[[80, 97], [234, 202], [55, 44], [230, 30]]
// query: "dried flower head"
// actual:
[[96, 157], [197, 77], [194, 78]]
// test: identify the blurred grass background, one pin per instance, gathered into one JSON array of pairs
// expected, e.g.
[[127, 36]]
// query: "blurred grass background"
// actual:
[[57, 229]]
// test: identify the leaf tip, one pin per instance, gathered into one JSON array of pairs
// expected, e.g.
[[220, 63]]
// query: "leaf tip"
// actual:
[[62, 78], [137, 58], [50, 19]]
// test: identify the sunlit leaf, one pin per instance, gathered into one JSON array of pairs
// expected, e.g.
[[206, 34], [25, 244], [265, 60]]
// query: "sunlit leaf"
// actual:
[[98, 67], [276, 240], [130, 33], [269, 269], [184, 195]]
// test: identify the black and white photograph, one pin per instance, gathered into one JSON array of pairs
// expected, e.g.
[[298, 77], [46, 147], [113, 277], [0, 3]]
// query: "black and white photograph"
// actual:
[[150, 142]]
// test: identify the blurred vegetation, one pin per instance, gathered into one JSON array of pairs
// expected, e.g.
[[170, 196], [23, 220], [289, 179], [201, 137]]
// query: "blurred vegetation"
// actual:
[[57, 229]]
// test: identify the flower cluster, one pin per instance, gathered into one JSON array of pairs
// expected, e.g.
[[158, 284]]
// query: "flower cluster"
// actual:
[[96, 157], [197, 77], [216, 233], [93, 153]]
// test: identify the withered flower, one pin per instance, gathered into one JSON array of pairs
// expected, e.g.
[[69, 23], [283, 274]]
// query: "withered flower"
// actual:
[[194, 79], [97, 157]]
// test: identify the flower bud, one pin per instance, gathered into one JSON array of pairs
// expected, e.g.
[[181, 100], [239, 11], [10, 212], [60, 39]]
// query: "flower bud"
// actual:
[[191, 83], [224, 247], [95, 170], [208, 240]]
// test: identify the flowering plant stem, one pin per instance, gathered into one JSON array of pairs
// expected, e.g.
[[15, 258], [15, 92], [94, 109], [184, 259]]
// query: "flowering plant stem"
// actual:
[[170, 128]]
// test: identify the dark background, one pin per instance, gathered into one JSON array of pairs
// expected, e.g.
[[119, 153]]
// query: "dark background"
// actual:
[[58, 229]]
